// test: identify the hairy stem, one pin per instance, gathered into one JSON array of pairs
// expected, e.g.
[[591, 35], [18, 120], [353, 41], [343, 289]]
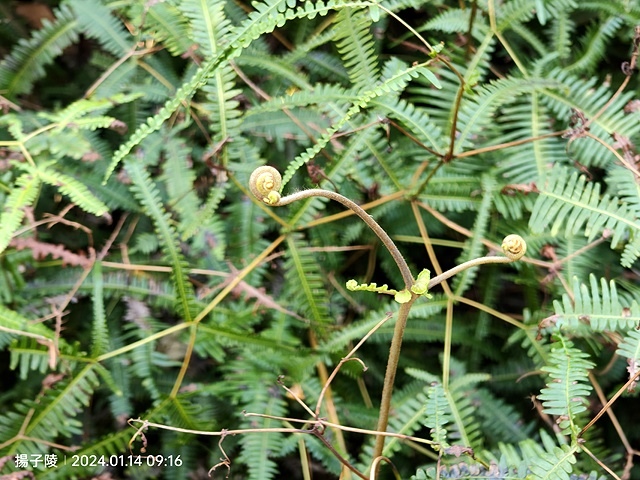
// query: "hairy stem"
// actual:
[[355, 208], [390, 375]]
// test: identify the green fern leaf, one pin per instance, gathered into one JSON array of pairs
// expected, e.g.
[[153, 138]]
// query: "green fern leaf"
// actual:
[[437, 414], [630, 349], [308, 285], [97, 21], [393, 84], [146, 192], [100, 332], [75, 190], [477, 112], [569, 202], [555, 465], [598, 307], [567, 388], [595, 44], [54, 413], [22, 195], [355, 44], [25, 64], [474, 247], [167, 25]]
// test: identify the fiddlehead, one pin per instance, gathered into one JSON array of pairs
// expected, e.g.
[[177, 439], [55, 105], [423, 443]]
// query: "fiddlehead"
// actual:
[[265, 183], [514, 247]]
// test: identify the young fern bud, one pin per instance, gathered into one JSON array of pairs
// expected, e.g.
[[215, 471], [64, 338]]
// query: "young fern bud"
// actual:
[[265, 183], [514, 247]]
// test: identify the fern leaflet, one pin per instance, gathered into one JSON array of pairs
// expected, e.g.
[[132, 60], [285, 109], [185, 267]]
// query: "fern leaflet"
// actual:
[[598, 307], [567, 388], [568, 201]]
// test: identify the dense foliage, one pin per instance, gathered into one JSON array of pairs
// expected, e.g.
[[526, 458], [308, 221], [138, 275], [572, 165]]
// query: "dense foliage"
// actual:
[[150, 305]]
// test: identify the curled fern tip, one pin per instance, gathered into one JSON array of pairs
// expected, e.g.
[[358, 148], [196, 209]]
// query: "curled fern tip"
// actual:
[[514, 247], [265, 183]]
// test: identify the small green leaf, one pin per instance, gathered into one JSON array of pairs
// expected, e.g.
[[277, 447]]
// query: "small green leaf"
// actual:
[[429, 75], [422, 282], [374, 11], [403, 296]]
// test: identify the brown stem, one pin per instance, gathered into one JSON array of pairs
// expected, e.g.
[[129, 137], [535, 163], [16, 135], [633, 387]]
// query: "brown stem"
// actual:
[[390, 374]]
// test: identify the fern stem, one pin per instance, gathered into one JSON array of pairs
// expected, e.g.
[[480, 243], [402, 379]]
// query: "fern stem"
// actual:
[[371, 223], [390, 374], [463, 266], [503, 41]]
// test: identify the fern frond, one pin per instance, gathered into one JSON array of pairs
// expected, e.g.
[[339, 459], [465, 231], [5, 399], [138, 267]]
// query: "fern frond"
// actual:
[[390, 85], [52, 414], [527, 163], [75, 190], [629, 348], [595, 44], [452, 20], [166, 25], [554, 465], [500, 419], [465, 425], [561, 31], [479, 110], [145, 190], [304, 274], [589, 97], [22, 195], [452, 192], [599, 307], [567, 387], [179, 180], [437, 414], [99, 329], [25, 64], [569, 201], [96, 21], [623, 181], [264, 19], [73, 113], [356, 46], [474, 247], [414, 118], [515, 13]]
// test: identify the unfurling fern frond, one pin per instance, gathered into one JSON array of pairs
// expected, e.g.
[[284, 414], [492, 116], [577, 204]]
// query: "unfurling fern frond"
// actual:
[[599, 307], [567, 388], [569, 202]]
